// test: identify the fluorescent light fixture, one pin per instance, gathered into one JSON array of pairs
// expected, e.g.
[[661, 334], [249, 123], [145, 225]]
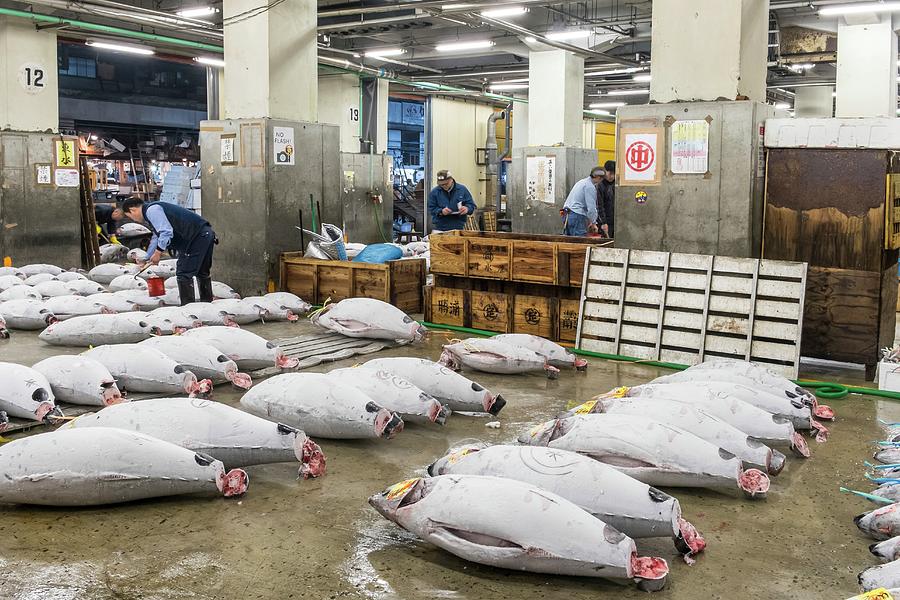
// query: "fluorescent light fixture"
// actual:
[[509, 11], [627, 92], [801, 67], [782, 105], [426, 85], [604, 113], [531, 39], [641, 78], [210, 62], [497, 87], [863, 7], [120, 48], [463, 46], [456, 6], [560, 36], [193, 13], [607, 104], [613, 72], [384, 52]]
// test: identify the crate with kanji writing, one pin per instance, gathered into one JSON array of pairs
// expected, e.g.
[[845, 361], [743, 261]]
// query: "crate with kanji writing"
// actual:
[[446, 306], [568, 320], [490, 311]]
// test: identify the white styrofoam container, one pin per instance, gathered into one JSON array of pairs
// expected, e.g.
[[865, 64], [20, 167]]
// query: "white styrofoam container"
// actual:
[[869, 132], [889, 376]]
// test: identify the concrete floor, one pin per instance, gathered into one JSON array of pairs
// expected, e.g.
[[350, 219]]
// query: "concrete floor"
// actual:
[[320, 539]]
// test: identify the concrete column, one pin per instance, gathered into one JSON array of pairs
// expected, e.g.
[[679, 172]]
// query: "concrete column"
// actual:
[[374, 115], [709, 50], [814, 101], [340, 104], [555, 98], [519, 124], [271, 58], [866, 70], [29, 90]]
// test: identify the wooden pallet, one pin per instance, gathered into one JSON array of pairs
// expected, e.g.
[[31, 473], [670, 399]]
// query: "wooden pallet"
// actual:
[[685, 308], [398, 282]]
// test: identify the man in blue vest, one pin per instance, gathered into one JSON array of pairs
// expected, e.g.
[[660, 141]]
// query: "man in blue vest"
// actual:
[[449, 203], [188, 234]]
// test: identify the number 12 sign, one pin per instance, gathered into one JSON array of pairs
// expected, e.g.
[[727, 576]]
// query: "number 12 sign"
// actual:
[[639, 152], [32, 78]]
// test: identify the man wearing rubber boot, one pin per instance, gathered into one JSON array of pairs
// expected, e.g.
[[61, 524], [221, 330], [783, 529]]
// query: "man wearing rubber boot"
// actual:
[[188, 234]]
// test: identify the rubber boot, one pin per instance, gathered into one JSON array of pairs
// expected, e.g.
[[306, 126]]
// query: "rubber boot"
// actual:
[[186, 290], [205, 285]]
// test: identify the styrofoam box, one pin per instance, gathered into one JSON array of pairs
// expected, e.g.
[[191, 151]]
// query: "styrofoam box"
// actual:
[[877, 133], [195, 183], [889, 376]]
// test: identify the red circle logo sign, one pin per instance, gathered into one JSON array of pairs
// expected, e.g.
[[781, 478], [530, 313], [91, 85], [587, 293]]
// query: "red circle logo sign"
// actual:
[[639, 156]]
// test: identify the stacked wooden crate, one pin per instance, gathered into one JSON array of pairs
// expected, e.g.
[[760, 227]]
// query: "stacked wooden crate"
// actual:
[[508, 283]]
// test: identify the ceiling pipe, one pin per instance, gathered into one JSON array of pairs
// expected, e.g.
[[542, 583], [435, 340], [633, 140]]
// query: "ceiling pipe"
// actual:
[[402, 63], [433, 4], [347, 25], [810, 3]]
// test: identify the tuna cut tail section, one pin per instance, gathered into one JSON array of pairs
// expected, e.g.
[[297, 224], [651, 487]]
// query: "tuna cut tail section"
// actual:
[[233, 483], [754, 483], [689, 541], [449, 360], [649, 573], [312, 459]]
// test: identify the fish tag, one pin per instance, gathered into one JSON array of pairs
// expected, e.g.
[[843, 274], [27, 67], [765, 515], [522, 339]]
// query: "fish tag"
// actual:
[[619, 392], [398, 489], [879, 594], [455, 456], [585, 409]]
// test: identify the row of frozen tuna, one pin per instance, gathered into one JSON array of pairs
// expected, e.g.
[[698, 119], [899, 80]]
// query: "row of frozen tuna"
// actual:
[[584, 478], [159, 447], [883, 523]]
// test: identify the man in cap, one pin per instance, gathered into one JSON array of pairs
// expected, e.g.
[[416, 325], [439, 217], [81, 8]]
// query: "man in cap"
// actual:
[[606, 199], [449, 203], [580, 210]]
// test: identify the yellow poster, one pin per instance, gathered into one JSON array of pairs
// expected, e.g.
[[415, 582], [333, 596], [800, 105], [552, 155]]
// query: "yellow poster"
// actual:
[[65, 154]]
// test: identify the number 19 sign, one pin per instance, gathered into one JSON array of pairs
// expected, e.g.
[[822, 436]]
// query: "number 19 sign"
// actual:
[[639, 156]]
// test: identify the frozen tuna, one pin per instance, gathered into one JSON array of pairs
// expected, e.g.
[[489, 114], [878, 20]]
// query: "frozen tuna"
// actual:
[[141, 298], [5, 271], [243, 312], [111, 253], [452, 389], [755, 422], [555, 354], [395, 394], [131, 230], [887, 550], [515, 525], [173, 319], [26, 314], [883, 576], [80, 380], [321, 406], [245, 348], [30, 270], [632, 507], [48, 289], [221, 291], [290, 301], [104, 274], [69, 276], [203, 360], [161, 270], [37, 278], [274, 310], [8, 281], [143, 369], [85, 287], [114, 302], [86, 467], [888, 454], [650, 451], [127, 282], [236, 438], [752, 453], [491, 356], [20, 292], [880, 524], [95, 330], [26, 394], [66, 307], [369, 318], [210, 314], [4, 330]]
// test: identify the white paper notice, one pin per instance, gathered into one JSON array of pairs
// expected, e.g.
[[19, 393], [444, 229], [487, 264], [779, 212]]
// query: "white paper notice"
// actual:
[[227, 156], [43, 174], [640, 157], [66, 178], [540, 179], [283, 141], [690, 146]]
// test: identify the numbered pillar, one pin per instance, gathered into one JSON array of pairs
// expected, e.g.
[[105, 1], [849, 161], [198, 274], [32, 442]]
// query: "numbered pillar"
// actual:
[[28, 77], [340, 103]]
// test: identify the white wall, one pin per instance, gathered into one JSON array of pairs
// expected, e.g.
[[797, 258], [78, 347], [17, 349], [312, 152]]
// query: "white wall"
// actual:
[[866, 71], [23, 107], [271, 61], [588, 133], [814, 101], [555, 98], [520, 125], [339, 104], [458, 127]]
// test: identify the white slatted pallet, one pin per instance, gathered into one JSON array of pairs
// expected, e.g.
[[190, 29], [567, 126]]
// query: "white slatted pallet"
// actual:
[[687, 308]]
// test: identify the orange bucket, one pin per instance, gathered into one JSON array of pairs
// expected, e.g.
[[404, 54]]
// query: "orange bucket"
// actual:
[[156, 287]]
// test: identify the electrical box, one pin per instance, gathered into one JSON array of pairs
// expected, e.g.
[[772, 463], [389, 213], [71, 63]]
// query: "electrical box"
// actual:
[[261, 179], [366, 209]]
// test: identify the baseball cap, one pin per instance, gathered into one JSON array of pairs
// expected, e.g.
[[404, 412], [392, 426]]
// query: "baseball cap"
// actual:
[[444, 175]]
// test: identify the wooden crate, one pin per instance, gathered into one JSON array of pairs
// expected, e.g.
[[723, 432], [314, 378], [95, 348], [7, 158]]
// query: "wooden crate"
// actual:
[[567, 327], [447, 306], [524, 258], [490, 311], [397, 282], [534, 315]]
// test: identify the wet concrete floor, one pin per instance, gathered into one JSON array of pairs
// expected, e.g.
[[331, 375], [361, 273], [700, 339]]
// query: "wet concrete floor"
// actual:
[[320, 539]]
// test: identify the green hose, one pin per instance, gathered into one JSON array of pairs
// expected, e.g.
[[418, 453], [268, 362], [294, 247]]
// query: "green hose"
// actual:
[[823, 389]]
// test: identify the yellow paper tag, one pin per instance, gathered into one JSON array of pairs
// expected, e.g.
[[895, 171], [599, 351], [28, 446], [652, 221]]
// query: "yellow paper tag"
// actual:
[[586, 408], [879, 594], [398, 489], [619, 392], [454, 457]]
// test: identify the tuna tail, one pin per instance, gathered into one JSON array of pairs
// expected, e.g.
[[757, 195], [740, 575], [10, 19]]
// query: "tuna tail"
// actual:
[[230, 322], [449, 360], [823, 412], [286, 362], [821, 431], [798, 445], [494, 404], [233, 483], [239, 380], [202, 388], [4, 420], [387, 424], [311, 457], [441, 416], [291, 317], [649, 573], [776, 463], [689, 541], [552, 372], [4, 333], [754, 483], [581, 364]]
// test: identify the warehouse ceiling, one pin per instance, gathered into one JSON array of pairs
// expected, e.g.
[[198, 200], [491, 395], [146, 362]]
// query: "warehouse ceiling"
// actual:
[[612, 35]]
